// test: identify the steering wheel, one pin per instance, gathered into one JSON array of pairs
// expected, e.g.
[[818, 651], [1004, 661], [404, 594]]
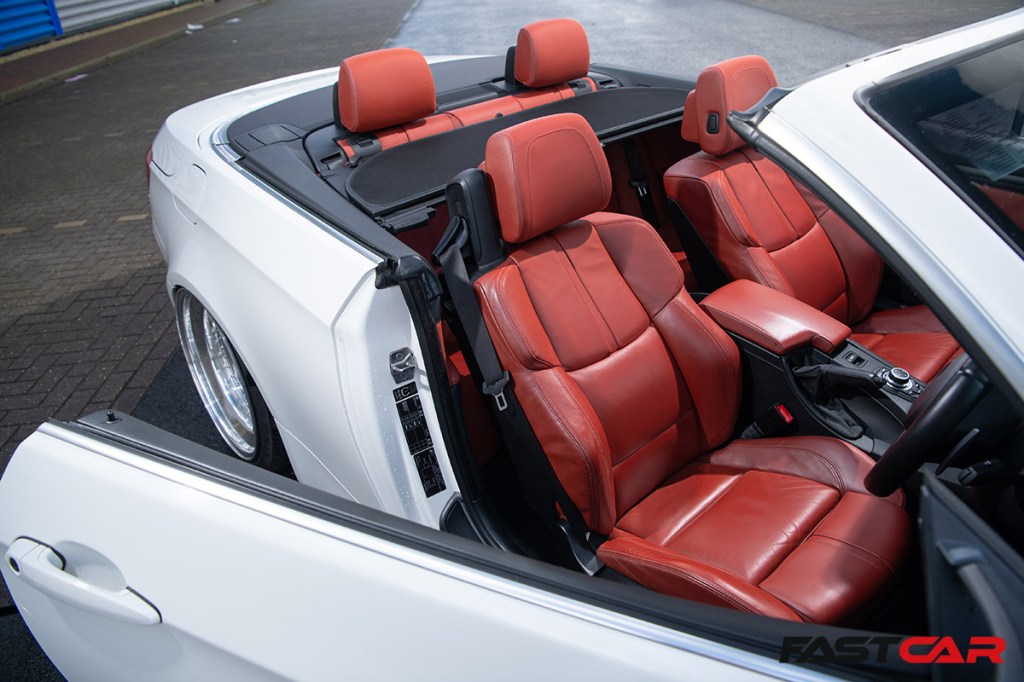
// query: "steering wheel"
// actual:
[[943, 404]]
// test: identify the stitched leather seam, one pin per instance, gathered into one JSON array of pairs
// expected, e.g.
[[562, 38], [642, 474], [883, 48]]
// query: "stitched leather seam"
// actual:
[[691, 578], [858, 548], [732, 484], [591, 467], [513, 322], [584, 455], [678, 285], [800, 544], [832, 467], [661, 433], [583, 291], [731, 380], [745, 151], [718, 199]]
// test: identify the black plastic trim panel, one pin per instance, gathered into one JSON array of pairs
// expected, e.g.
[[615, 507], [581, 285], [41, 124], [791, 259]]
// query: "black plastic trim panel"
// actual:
[[419, 170]]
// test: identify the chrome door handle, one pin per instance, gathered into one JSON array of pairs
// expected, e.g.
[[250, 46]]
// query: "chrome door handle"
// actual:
[[43, 568]]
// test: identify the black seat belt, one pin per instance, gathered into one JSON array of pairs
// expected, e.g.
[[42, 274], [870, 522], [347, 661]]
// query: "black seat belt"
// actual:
[[638, 181], [542, 488]]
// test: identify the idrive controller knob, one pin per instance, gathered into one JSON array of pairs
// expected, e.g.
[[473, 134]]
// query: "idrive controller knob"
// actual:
[[899, 378]]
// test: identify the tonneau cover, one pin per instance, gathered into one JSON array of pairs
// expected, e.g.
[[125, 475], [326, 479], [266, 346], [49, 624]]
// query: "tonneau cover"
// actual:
[[413, 173]]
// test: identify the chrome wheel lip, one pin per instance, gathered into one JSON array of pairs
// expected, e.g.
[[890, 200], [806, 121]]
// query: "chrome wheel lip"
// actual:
[[217, 374]]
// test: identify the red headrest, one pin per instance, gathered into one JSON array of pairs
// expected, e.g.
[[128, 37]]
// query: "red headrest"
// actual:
[[733, 85], [546, 172], [384, 88], [551, 52]]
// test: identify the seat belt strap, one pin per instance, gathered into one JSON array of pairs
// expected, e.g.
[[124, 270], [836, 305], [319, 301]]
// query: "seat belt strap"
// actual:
[[638, 181], [543, 490]]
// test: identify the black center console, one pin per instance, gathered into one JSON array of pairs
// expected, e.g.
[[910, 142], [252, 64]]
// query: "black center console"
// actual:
[[803, 359]]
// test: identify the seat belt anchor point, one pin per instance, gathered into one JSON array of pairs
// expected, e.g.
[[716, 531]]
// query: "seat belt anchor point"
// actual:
[[496, 389], [641, 187]]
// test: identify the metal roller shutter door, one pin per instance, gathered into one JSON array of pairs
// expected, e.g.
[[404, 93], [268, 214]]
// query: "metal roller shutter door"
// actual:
[[26, 21], [79, 15]]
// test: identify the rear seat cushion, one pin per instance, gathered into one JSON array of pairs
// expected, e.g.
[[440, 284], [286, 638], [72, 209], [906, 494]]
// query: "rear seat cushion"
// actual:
[[384, 88], [551, 52]]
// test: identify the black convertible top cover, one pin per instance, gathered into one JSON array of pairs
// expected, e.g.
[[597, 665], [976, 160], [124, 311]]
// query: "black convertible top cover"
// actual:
[[414, 172]]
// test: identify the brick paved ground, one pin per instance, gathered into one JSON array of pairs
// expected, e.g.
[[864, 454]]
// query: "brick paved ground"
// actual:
[[84, 320]]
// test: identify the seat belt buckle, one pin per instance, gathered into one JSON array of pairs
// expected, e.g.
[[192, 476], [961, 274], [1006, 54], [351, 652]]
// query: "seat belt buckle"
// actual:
[[777, 419], [641, 187], [496, 389]]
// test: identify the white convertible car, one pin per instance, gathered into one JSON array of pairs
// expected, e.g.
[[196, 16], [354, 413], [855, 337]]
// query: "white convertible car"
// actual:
[[534, 368]]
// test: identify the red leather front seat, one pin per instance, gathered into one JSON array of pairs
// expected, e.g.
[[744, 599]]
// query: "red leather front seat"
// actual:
[[761, 226], [633, 391]]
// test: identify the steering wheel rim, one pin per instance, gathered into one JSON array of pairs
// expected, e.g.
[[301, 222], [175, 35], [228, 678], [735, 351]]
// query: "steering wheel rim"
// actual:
[[943, 404]]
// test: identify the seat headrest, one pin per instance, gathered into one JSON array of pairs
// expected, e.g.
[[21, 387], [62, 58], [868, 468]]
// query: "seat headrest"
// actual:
[[546, 172], [551, 52], [733, 85], [384, 88]]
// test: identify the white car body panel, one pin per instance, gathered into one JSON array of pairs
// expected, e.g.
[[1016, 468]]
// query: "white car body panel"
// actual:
[[250, 589], [283, 284]]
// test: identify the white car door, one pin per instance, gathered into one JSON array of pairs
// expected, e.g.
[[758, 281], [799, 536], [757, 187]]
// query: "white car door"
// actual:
[[129, 564]]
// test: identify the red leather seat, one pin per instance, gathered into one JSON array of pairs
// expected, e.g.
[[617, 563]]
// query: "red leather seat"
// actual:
[[761, 226], [633, 391], [387, 96]]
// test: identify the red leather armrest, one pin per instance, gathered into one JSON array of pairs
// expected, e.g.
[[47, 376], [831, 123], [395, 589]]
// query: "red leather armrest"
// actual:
[[772, 319]]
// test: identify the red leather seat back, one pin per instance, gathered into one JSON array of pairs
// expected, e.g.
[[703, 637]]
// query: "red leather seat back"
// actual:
[[756, 221], [621, 376], [388, 95], [384, 88]]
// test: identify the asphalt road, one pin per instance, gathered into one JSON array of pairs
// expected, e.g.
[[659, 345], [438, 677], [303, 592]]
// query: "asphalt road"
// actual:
[[74, 169]]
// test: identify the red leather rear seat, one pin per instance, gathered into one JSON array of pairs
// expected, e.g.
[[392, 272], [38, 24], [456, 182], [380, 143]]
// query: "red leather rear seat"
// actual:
[[388, 96]]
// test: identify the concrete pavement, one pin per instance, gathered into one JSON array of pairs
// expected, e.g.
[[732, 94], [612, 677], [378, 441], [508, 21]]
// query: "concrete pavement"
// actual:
[[84, 319], [798, 37]]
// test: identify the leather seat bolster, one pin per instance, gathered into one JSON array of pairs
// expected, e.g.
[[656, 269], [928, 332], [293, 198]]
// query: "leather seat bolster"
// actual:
[[559, 414], [679, 576], [828, 461], [701, 187], [912, 338], [845, 567], [827, 550], [914, 319], [923, 355], [711, 368]]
